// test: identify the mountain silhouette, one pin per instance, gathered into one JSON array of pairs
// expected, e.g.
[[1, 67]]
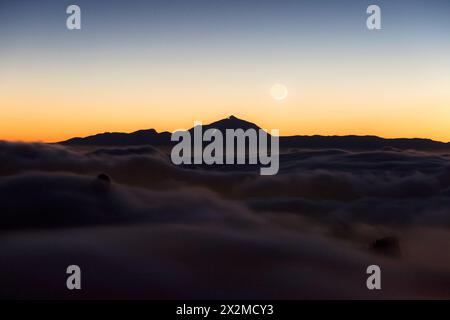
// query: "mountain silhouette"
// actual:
[[352, 142], [140, 137], [229, 123]]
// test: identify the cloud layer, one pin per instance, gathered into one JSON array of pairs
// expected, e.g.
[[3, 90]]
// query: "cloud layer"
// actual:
[[163, 231]]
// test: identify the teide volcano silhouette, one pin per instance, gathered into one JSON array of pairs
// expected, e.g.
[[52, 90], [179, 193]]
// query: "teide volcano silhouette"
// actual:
[[229, 123], [153, 138]]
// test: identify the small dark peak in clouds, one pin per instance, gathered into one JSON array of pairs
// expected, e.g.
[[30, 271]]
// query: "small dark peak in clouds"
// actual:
[[388, 246], [104, 177], [102, 184]]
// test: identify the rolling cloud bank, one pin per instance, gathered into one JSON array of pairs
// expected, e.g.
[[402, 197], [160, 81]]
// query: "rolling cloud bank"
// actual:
[[150, 229]]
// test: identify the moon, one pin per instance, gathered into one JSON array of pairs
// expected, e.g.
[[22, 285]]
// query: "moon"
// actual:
[[279, 92]]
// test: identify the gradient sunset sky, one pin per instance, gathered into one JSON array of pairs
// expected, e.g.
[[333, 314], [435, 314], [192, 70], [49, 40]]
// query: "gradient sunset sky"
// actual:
[[164, 64]]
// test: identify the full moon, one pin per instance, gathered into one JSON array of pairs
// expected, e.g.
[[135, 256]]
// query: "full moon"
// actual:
[[278, 91]]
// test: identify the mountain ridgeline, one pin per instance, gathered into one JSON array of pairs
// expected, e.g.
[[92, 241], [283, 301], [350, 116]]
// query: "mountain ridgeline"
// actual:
[[151, 137]]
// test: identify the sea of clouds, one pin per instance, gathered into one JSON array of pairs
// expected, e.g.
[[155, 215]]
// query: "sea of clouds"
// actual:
[[163, 231]]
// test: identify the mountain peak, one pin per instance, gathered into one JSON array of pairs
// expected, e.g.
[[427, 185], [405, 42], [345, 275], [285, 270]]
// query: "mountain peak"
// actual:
[[231, 122], [152, 137]]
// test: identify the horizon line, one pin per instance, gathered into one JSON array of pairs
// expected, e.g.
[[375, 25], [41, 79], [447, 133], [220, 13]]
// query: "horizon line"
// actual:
[[226, 118]]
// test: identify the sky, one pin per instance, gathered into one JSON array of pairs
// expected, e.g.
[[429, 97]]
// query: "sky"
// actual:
[[165, 64]]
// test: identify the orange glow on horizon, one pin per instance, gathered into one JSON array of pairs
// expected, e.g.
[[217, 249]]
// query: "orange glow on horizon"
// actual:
[[55, 108]]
